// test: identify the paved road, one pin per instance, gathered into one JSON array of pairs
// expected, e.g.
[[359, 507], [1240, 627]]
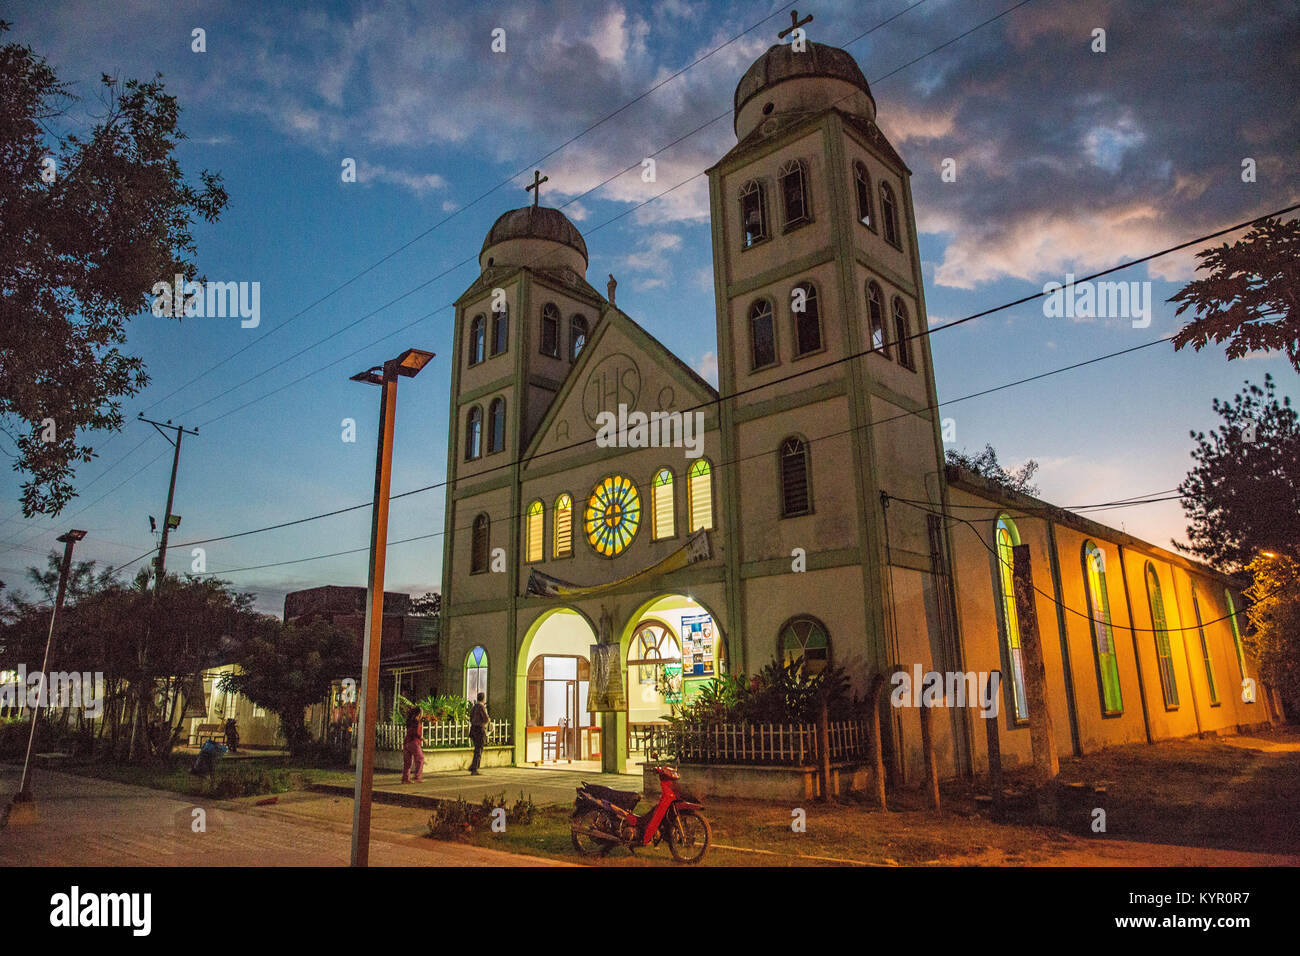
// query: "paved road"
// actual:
[[544, 786], [88, 822]]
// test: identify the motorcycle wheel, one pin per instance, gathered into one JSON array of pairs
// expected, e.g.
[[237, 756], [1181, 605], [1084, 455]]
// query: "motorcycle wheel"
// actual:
[[592, 820], [688, 836]]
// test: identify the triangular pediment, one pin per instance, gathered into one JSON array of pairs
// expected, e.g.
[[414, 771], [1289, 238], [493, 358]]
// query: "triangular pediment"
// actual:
[[621, 364]]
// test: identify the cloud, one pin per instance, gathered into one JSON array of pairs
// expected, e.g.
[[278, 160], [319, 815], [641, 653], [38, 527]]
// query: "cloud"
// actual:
[[651, 254], [419, 183], [706, 366]]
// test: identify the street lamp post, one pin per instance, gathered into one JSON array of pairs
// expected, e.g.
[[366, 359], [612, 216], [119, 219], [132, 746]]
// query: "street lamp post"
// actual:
[[408, 364], [69, 540]]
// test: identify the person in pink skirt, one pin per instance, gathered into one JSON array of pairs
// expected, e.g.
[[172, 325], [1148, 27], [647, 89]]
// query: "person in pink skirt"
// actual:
[[413, 746]]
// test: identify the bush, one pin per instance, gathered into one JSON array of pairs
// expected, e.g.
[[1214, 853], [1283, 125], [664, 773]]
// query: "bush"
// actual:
[[453, 821], [779, 693], [243, 782]]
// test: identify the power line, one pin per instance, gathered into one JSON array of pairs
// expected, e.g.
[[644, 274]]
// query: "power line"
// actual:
[[460, 209], [716, 464]]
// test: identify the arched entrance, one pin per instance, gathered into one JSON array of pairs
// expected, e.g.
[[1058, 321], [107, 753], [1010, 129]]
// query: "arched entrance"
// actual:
[[552, 720], [672, 646]]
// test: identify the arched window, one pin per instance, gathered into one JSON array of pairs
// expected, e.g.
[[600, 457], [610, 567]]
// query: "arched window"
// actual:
[[902, 334], [793, 177], [477, 338], [796, 494], [807, 319], [1236, 632], [550, 340], [762, 334], [661, 503], [563, 527], [476, 674], [496, 425], [753, 213], [479, 545], [500, 331], [876, 312], [862, 180], [1094, 571], [1168, 685], [1007, 538], [535, 532], [1205, 650], [699, 495], [806, 638], [474, 433], [889, 215], [577, 336]]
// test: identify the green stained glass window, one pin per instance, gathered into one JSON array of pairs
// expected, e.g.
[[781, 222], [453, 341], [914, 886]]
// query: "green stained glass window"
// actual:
[[1007, 538], [612, 515], [1236, 631], [1158, 624], [1094, 570]]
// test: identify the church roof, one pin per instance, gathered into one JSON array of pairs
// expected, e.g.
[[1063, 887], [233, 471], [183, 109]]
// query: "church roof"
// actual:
[[535, 222], [782, 62]]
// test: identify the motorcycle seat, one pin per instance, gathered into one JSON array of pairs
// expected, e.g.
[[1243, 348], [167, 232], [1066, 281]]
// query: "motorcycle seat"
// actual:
[[627, 799]]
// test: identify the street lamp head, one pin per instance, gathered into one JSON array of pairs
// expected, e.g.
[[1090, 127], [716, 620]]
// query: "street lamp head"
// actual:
[[73, 535], [371, 376], [410, 362], [1269, 554]]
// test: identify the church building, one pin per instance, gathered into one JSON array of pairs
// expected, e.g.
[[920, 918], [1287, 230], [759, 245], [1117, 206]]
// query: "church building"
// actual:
[[607, 506]]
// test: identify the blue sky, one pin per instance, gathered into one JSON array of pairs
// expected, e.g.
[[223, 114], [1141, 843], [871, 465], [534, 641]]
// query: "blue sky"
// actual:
[[1067, 161]]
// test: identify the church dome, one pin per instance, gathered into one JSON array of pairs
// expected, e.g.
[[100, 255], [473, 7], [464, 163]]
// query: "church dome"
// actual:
[[519, 236], [827, 76]]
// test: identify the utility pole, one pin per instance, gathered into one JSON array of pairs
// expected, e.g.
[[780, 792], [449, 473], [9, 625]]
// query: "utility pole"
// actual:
[[160, 562]]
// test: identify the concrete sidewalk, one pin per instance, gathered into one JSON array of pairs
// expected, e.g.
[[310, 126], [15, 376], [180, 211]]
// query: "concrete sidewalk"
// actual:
[[544, 786], [83, 821]]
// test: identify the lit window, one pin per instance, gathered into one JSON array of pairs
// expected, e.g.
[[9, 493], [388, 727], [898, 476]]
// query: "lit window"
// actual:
[[477, 336], [793, 178], [807, 319], [805, 639], [476, 674], [1168, 685], [497, 425], [1094, 570], [889, 215], [699, 493], [1205, 650], [1007, 538], [661, 503], [795, 493], [563, 526], [753, 213], [762, 334], [876, 311], [862, 180], [534, 533], [1236, 632], [474, 434], [550, 343]]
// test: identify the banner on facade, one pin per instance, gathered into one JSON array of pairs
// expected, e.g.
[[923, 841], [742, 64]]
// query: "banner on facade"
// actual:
[[607, 691], [698, 547]]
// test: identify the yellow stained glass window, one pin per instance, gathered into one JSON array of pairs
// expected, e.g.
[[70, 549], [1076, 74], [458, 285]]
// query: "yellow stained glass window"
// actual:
[[612, 515], [563, 526], [661, 500], [699, 491], [534, 531]]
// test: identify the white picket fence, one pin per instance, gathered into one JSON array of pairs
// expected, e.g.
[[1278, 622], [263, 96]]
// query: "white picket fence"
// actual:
[[441, 736], [774, 744]]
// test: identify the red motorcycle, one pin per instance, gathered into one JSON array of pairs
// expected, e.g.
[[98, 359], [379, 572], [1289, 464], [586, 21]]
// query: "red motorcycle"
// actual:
[[604, 818]]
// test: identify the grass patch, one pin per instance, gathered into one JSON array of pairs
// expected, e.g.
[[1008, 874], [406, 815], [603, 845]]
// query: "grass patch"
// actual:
[[249, 777]]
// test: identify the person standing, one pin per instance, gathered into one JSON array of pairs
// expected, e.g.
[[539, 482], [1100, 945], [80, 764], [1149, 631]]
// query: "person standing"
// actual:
[[478, 723], [413, 746]]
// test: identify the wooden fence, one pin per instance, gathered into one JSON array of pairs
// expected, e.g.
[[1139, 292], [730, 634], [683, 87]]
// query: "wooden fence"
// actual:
[[441, 736], [771, 744]]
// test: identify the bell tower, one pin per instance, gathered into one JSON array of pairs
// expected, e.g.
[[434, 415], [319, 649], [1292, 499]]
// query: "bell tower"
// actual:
[[820, 310]]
